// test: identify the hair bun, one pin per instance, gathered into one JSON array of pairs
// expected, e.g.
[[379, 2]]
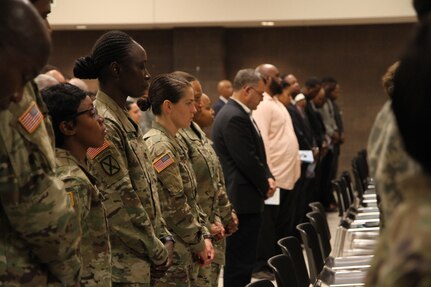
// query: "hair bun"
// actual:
[[86, 68], [144, 104]]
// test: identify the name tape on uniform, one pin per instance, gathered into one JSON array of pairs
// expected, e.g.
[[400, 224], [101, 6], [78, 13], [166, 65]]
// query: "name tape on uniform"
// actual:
[[31, 118], [163, 162]]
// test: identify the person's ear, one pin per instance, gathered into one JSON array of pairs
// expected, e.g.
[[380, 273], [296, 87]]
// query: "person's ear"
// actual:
[[167, 107], [115, 69], [67, 128]]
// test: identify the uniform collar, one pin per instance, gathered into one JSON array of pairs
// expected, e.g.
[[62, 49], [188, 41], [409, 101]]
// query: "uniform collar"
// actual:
[[119, 112], [64, 156]]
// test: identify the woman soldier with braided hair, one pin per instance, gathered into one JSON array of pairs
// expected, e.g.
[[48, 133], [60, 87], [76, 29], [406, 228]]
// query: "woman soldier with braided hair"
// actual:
[[141, 245]]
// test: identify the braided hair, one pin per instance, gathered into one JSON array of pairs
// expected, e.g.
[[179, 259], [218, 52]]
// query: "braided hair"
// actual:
[[113, 46]]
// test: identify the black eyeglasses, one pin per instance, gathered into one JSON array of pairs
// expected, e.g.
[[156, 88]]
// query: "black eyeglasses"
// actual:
[[91, 111], [260, 93]]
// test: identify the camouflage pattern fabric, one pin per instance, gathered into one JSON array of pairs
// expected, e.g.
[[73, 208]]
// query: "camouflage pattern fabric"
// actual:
[[403, 255], [389, 164], [179, 202], [87, 201], [211, 188], [40, 232], [125, 177]]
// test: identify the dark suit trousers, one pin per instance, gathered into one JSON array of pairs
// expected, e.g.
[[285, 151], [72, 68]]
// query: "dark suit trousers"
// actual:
[[278, 221], [241, 251]]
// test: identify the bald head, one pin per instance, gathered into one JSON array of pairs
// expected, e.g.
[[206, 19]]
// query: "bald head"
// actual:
[[24, 48], [268, 70], [44, 81], [271, 75], [224, 88], [22, 29], [56, 74], [80, 84]]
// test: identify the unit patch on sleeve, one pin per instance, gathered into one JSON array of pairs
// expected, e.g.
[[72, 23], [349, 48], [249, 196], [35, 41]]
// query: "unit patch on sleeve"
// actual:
[[31, 118], [110, 165], [163, 162]]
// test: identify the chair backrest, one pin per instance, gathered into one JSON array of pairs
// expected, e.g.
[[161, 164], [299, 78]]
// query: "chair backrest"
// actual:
[[317, 206], [260, 283], [317, 220], [340, 199], [292, 248], [363, 163], [359, 185], [346, 196], [348, 179], [284, 270], [312, 249]]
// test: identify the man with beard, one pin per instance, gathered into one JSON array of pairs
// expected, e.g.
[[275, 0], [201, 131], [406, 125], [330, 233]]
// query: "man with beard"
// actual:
[[294, 87], [282, 150]]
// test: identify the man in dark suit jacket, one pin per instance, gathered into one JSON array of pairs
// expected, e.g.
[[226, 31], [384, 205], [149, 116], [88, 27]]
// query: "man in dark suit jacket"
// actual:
[[224, 89], [249, 181]]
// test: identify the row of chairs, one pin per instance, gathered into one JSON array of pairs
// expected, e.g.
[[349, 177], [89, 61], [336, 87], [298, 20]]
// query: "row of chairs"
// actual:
[[345, 264], [290, 269]]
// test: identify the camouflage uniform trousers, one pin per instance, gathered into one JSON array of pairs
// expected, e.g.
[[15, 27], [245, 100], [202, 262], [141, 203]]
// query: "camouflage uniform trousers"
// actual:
[[181, 272]]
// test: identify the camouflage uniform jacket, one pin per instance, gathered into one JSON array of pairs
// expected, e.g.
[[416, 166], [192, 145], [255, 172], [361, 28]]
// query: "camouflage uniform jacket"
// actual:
[[129, 185], [40, 231], [87, 201], [210, 180], [178, 195], [403, 253], [389, 164]]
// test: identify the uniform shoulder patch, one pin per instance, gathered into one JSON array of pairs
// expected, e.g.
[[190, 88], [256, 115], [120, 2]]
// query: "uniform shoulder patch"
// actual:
[[163, 162], [93, 152], [31, 118], [110, 165]]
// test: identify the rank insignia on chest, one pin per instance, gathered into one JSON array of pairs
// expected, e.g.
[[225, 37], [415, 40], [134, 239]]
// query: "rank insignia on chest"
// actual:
[[31, 118], [110, 165], [93, 152], [163, 162]]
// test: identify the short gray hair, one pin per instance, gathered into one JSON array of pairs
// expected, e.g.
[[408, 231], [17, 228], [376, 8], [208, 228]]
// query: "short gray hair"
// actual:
[[246, 77]]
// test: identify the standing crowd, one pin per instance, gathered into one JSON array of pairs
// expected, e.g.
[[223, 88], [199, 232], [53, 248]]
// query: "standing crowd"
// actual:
[[90, 198]]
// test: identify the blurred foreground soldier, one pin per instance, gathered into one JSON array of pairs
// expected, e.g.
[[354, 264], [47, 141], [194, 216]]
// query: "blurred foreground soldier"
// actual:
[[40, 233], [77, 127], [403, 256], [139, 239]]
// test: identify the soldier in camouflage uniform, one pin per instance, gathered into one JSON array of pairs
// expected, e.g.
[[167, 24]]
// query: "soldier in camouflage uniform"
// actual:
[[78, 127], [403, 255], [171, 100], [388, 162], [210, 182], [39, 238], [122, 164]]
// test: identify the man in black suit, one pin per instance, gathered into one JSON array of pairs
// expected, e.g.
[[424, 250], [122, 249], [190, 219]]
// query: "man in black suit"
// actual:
[[249, 181], [224, 89]]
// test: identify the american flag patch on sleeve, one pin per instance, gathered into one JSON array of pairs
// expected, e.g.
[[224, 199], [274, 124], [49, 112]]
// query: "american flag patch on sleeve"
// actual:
[[163, 162], [93, 152], [31, 118]]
